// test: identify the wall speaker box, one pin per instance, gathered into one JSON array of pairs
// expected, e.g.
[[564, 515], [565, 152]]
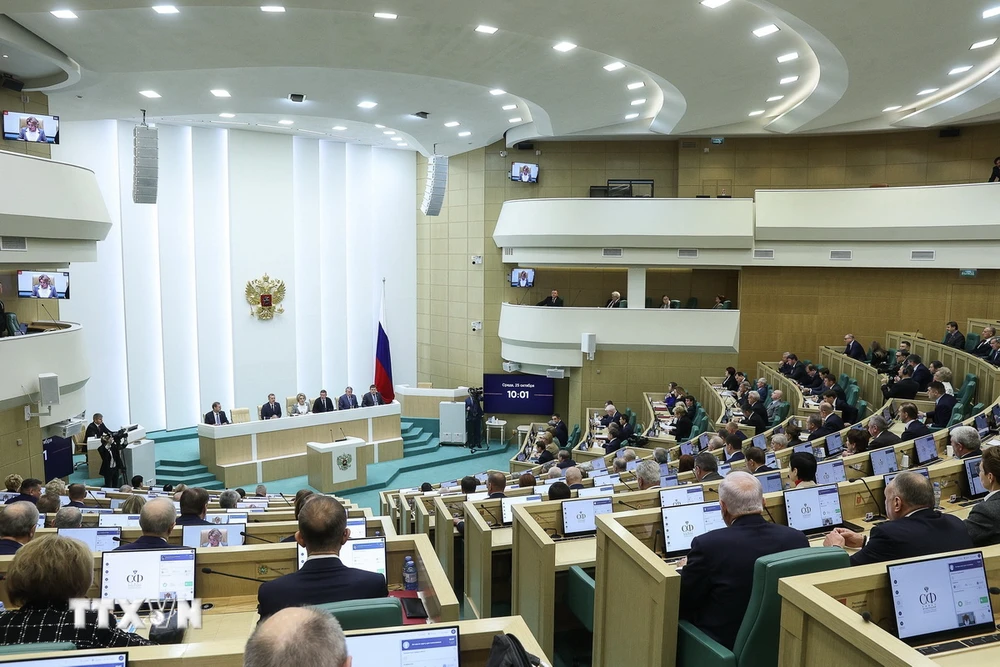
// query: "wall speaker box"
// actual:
[[525, 146], [11, 83], [48, 389], [437, 183], [588, 343], [145, 171], [949, 132]]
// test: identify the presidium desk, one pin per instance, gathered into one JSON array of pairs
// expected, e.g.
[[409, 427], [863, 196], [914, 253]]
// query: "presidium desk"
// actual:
[[258, 451]]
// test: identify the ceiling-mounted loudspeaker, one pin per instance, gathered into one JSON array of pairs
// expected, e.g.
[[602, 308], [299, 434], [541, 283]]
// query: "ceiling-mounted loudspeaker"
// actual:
[[145, 169], [10, 83], [949, 132], [525, 146], [437, 182]]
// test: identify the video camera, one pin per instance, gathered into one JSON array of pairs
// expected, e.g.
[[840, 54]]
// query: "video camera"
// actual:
[[476, 393]]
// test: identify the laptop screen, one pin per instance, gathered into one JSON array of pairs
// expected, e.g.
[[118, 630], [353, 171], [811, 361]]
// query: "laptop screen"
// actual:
[[760, 441], [595, 491], [358, 528], [687, 449], [115, 659], [226, 518], [476, 497], [682, 495], [804, 448], [413, 648], [223, 535], [665, 469], [996, 415], [812, 508], [891, 476], [149, 574], [580, 516], [96, 539], [703, 440], [632, 465], [941, 598], [724, 469], [606, 480], [834, 444], [507, 514], [972, 481], [121, 520], [365, 554], [883, 461], [260, 504], [770, 481], [599, 464], [668, 480], [982, 426], [771, 460], [683, 523], [925, 449], [831, 472]]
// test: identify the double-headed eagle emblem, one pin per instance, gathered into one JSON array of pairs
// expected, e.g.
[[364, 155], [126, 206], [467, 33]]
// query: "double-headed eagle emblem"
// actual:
[[265, 296]]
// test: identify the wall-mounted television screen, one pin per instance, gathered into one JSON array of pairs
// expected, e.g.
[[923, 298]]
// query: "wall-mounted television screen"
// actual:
[[522, 277], [518, 394], [43, 284], [31, 127], [524, 172]]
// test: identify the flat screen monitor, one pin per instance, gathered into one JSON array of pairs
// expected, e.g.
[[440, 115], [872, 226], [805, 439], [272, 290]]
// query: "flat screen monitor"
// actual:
[[524, 172], [476, 497], [33, 128], [941, 598], [770, 482], [522, 277], [982, 426], [43, 285], [682, 495], [665, 469], [598, 464], [41, 521], [771, 460], [120, 520], [996, 415], [703, 440], [150, 574], [96, 539], [518, 394], [96, 510], [580, 516], [891, 476], [831, 472], [883, 461], [834, 444], [438, 647], [814, 509], [595, 491], [668, 480], [688, 449], [632, 465], [365, 554], [925, 449], [236, 517], [724, 469], [116, 503], [683, 523], [507, 514], [972, 482], [109, 659], [223, 535], [804, 448], [358, 528], [252, 504], [606, 480], [759, 441]]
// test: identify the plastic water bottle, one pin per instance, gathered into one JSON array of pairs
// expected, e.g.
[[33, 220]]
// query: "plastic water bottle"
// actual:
[[937, 494], [409, 574]]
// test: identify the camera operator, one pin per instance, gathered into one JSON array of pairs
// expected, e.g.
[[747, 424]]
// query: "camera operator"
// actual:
[[474, 417], [112, 463]]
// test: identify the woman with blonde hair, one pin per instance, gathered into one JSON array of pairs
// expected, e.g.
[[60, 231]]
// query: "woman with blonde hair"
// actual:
[[13, 482], [133, 505], [301, 406], [943, 375]]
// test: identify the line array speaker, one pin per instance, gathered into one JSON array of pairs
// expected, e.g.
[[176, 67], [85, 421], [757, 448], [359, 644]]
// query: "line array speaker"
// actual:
[[437, 182], [145, 172]]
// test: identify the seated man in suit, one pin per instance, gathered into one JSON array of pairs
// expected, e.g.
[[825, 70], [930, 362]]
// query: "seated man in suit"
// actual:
[[785, 368], [965, 442], [815, 427], [217, 416], [194, 506], [298, 636], [647, 475], [562, 431], [854, 349], [943, 405], [574, 477], [984, 348], [271, 409], [324, 403], [552, 300], [157, 519], [77, 494], [29, 492], [849, 412], [717, 578], [984, 519], [755, 413], [757, 460], [323, 578], [797, 373], [914, 527], [18, 522], [734, 449], [905, 387], [611, 414], [564, 459], [812, 379], [912, 428], [97, 429], [953, 337], [348, 400], [921, 374], [831, 421], [496, 482], [615, 301], [777, 402], [994, 356], [706, 467], [880, 434], [372, 398]]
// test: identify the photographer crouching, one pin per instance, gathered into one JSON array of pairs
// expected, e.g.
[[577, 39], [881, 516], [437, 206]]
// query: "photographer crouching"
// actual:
[[474, 418]]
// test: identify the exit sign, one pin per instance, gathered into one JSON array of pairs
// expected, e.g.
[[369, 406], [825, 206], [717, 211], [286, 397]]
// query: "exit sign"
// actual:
[[967, 273], [718, 141]]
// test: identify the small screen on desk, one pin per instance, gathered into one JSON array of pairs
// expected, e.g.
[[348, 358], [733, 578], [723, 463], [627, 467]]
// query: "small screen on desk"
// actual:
[[668, 480], [507, 514], [815, 507], [223, 535], [831, 472], [804, 448], [595, 491], [599, 464], [412, 648], [151, 574], [687, 449], [724, 469], [518, 394], [770, 482], [925, 448], [113, 659], [122, 520], [683, 523], [834, 444], [770, 460], [982, 426], [96, 539], [219, 519], [606, 480], [760, 441], [703, 440], [891, 476], [580, 516], [358, 528], [364, 554], [883, 461], [972, 482], [682, 495], [632, 465]]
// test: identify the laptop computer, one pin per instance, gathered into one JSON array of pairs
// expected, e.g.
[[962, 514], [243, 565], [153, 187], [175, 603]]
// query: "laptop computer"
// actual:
[[831, 472], [688, 448], [891, 476], [595, 491], [834, 445], [420, 647], [759, 441], [724, 469], [804, 448], [223, 535], [771, 460], [149, 574], [668, 480], [96, 539], [815, 510], [580, 515], [682, 495], [364, 554], [974, 488], [770, 482], [683, 523], [606, 480], [883, 461], [108, 659], [925, 450], [598, 464], [507, 514], [982, 426], [942, 598]]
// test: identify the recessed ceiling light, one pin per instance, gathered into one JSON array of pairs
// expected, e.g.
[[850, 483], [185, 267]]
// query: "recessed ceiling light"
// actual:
[[498, 91], [389, 132], [789, 79], [486, 29], [775, 98], [983, 44], [464, 134], [339, 128], [218, 92], [635, 85], [758, 112], [959, 70], [6, 56], [892, 108], [273, 9], [928, 91], [384, 15], [712, 4], [286, 122], [151, 94], [564, 46], [788, 57], [367, 105], [630, 116], [396, 138], [515, 120], [509, 107], [165, 9], [615, 66], [990, 13], [63, 14], [401, 145], [227, 115], [451, 123], [766, 30], [636, 103], [381, 127]]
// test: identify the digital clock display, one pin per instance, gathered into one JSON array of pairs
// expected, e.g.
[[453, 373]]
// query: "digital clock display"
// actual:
[[517, 394]]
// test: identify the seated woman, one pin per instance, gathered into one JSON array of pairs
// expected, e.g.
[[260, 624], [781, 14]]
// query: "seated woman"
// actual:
[[43, 576], [615, 440], [550, 452], [857, 441], [720, 300], [301, 406], [879, 355], [539, 449], [683, 425], [685, 463], [730, 382]]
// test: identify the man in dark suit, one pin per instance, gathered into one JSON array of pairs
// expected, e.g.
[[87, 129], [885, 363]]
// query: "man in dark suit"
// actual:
[[323, 578], [156, 518], [323, 403], [194, 506], [552, 300], [18, 522], [495, 485], [965, 442], [574, 477], [717, 578], [984, 348], [755, 414], [615, 301], [854, 349], [217, 416], [734, 449], [815, 427], [797, 373], [785, 367], [880, 434], [983, 523], [757, 460], [562, 432], [831, 421], [914, 527], [271, 409], [994, 356], [706, 467], [953, 337], [812, 380], [372, 398], [943, 405], [97, 429], [611, 414], [29, 492], [921, 374], [905, 387], [77, 494], [348, 400], [913, 428]]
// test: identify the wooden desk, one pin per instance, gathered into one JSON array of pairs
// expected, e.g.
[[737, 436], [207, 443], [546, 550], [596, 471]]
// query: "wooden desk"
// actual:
[[534, 428], [652, 410], [714, 404]]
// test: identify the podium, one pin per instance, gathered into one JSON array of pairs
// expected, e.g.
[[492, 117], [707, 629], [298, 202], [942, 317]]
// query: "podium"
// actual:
[[334, 466], [140, 459]]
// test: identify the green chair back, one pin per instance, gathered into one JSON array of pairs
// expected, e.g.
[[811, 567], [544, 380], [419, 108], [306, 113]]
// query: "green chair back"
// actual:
[[364, 614], [12, 325], [843, 381], [971, 341], [675, 303], [631, 420], [40, 647], [977, 408], [649, 302], [574, 437], [696, 430], [780, 413], [957, 415], [692, 302], [851, 395], [727, 305], [580, 596], [862, 410], [968, 391], [623, 303]]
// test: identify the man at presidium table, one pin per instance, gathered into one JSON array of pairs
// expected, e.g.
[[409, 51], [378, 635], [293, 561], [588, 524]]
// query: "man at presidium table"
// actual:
[[271, 409], [372, 398], [348, 400], [216, 417]]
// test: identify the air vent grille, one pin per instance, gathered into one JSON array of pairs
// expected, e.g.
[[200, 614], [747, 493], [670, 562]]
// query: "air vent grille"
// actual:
[[760, 253], [687, 253], [15, 243], [612, 252], [841, 255], [508, 252], [922, 255], [689, 144]]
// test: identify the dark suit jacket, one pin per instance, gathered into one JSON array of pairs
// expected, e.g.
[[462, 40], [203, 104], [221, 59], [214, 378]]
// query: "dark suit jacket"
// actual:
[[923, 533], [607, 419], [757, 417], [192, 520], [95, 431], [834, 423], [737, 456], [922, 376], [75, 503], [731, 383], [613, 303], [711, 477], [210, 417], [955, 340], [914, 429], [764, 468], [994, 357], [611, 446], [107, 464], [905, 388], [983, 349], [545, 457], [346, 402], [855, 351], [371, 399], [682, 429], [798, 372], [318, 582], [717, 581], [21, 497], [266, 411], [562, 433], [884, 439], [821, 432], [9, 547], [547, 301], [811, 382], [146, 542], [569, 463], [942, 410], [983, 523], [318, 405]]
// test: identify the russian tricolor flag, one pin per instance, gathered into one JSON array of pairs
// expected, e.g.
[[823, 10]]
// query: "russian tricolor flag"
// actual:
[[383, 360]]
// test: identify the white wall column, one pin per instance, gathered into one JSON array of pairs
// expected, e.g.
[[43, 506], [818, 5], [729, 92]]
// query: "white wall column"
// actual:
[[636, 287]]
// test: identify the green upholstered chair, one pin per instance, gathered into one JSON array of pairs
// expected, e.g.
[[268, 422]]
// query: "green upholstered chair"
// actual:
[[780, 414], [971, 341], [851, 395], [363, 614], [675, 303], [727, 305], [957, 417], [843, 381], [580, 596], [967, 393], [12, 325], [757, 641], [862, 410], [649, 302], [631, 420], [976, 409], [692, 302], [40, 647], [696, 430], [623, 303], [574, 437]]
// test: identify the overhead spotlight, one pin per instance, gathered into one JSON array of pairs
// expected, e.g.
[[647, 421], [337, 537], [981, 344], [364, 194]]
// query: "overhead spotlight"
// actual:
[[959, 70], [272, 9], [389, 132], [486, 29], [509, 107], [63, 14], [990, 13], [452, 123], [788, 57], [384, 15], [165, 9], [339, 128], [402, 145], [635, 85], [615, 66], [712, 4], [498, 91], [894, 107], [151, 94], [766, 30], [515, 120], [227, 115], [396, 138], [636, 103], [564, 46], [286, 122], [464, 134], [983, 44], [218, 92], [379, 127], [775, 98], [367, 105], [758, 112], [788, 79], [296, 97]]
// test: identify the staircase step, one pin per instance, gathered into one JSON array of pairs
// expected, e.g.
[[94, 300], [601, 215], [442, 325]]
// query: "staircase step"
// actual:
[[177, 464], [414, 432], [199, 479], [421, 449], [181, 471], [423, 439], [405, 426]]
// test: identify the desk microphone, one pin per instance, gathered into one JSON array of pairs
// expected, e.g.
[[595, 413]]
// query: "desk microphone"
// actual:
[[866, 616], [286, 500], [120, 539], [993, 589], [628, 505], [578, 293], [626, 484], [878, 515], [343, 434], [208, 570], [96, 499], [496, 521], [769, 515], [254, 537]]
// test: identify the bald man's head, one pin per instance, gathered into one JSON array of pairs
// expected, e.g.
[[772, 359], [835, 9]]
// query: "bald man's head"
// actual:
[[297, 636], [573, 476], [157, 518]]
